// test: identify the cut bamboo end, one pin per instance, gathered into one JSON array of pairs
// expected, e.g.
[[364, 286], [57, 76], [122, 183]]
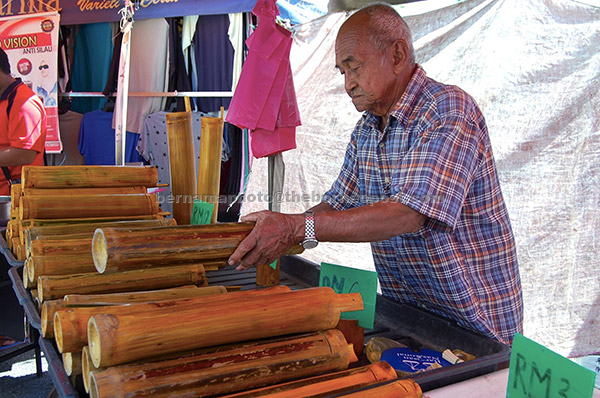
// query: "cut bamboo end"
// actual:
[[47, 312], [86, 368], [30, 268], [99, 250], [72, 363], [97, 325], [349, 302], [58, 335]]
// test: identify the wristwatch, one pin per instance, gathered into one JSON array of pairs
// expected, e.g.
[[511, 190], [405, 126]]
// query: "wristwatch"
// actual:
[[310, 241]]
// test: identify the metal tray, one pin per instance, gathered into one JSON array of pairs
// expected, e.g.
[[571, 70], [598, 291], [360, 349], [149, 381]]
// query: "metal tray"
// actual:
[[413, 326]]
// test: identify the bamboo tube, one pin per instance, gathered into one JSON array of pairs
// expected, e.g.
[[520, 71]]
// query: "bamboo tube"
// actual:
[[15, 193], [58, 247], [84, 191], [87, 176], [70, 324], [65, 264], [26, 281], [56, 207], [116, 339], [86, 368], [327, 384], [144, 296], [20, 251], [77, 225], [49, 308], [209, 164], [118, 249], [72, 363], [267, 275], [404, 388], [183, 164], [12, 230], [52, 287], [223, 372], [56, 232]]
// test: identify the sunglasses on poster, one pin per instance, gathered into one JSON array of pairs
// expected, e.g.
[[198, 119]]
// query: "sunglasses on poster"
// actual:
[[43, 67]]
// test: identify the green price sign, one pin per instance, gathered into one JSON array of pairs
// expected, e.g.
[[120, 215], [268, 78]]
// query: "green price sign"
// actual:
[[536, 371], [351, 280], [202, 212]]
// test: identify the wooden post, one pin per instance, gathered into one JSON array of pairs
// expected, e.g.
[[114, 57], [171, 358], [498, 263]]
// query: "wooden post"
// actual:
[[182, 161], [225, 371], [116, 339]]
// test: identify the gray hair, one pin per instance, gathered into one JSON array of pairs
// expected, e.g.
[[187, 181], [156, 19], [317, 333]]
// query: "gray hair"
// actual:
[[386, 26]]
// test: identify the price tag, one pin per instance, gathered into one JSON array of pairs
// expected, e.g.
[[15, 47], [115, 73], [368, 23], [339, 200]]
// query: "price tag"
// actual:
[[536, 371], [202, 212], [351, 280]]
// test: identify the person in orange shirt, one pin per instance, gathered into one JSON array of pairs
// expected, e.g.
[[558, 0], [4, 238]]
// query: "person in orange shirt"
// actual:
[[22, 127]]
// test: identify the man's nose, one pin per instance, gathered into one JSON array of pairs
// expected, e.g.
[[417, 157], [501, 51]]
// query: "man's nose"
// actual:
[[349, 83]]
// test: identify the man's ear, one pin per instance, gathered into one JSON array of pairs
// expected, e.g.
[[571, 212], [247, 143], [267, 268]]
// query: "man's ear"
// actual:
[[400, 54]]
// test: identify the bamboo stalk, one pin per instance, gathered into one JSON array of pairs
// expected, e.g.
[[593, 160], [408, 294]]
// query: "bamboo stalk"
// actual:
[[209, 164], [52, 287], [218, 373], [66, 264], [87, 176], [69, 231], [82, 206], [144, 296], [84, 191], [72, 363], [118, 249], [182, 164], [19, 250], [15, 193], [47, 312], [405, 388], [70, 324], [86, 368], [26, 284], [58, 247], [267, 275], [326, 385], [116, 339]]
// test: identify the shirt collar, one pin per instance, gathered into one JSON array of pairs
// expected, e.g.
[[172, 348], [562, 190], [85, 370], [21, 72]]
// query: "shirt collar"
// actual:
[[10, 89], [407, 102]]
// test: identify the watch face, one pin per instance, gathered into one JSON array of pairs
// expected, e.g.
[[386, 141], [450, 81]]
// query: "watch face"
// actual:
[[310, 244]]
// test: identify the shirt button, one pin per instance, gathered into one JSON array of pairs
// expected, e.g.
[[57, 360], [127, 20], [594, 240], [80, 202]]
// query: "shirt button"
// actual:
[[381, 145], [387, 180]]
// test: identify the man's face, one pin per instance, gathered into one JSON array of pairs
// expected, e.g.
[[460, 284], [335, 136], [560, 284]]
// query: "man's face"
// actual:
[[368, 73], [44, 70]]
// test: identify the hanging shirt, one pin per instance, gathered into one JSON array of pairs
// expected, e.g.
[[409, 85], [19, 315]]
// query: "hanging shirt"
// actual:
[[91, 62], [213, 55], [148, 69], [97, 140]]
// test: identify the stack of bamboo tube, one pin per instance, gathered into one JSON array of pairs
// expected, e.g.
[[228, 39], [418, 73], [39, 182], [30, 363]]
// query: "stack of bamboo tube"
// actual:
[[74, 195]]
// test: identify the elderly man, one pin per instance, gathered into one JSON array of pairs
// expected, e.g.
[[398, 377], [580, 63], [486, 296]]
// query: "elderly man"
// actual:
[[22, 129], [418, 181]]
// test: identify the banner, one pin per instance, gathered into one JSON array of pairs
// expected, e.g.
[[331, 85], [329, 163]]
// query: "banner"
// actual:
[[31, 43], [74, 12]]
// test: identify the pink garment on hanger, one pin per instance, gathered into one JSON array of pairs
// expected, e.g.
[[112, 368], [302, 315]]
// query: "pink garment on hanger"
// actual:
[[265, 100]]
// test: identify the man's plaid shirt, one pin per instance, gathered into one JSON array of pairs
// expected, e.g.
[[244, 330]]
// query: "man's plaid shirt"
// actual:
[[435, 156]]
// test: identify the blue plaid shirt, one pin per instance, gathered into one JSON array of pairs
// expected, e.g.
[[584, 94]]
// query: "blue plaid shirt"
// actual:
[[435, 156]]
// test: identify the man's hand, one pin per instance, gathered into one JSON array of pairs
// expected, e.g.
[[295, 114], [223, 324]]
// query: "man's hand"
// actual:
[[273, 234]]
